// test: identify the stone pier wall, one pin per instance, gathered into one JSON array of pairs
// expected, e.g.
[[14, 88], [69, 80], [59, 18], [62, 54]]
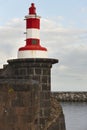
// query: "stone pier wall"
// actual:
[[26, 102], [71, 96], [19, 109]]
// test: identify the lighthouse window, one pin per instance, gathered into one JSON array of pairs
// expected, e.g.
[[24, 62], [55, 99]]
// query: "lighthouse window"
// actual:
[[34, 41]]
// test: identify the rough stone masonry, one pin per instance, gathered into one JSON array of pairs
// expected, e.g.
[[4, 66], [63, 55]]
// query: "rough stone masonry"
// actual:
[[25, 97]]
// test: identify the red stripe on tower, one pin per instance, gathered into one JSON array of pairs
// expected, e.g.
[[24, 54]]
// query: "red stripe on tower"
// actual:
[[33, 23], [32, 36]]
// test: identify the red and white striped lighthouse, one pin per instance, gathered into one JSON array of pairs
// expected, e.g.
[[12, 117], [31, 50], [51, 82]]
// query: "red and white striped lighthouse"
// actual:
[[32, 49]]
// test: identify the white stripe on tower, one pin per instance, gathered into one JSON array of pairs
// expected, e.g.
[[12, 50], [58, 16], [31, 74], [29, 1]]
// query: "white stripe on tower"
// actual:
[[32, 33]]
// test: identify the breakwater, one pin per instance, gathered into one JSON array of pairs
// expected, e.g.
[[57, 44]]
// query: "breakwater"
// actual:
[[71, 96]]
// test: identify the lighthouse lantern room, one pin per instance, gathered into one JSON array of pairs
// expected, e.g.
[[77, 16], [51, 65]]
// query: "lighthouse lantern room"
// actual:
[[32, 49]]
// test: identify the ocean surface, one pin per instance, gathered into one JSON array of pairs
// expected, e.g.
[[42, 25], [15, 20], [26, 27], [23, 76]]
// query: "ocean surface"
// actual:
[[75, 115]]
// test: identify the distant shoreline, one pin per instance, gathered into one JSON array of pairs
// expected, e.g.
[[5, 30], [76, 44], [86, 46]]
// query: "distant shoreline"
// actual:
[[71, 96]]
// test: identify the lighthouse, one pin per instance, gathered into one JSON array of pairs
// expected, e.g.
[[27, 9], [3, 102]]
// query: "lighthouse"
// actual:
[[26, 101], [32, 49]]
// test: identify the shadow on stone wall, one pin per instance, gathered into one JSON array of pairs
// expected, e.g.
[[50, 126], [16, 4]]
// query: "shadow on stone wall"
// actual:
[[56, 120]]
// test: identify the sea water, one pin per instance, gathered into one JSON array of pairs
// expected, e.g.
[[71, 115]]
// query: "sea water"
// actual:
[[75, 115]]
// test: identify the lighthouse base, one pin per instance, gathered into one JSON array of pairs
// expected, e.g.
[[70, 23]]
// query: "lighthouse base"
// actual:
[[32, 54]]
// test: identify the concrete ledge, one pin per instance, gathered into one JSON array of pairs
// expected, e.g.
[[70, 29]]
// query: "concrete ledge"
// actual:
[[39, 60]]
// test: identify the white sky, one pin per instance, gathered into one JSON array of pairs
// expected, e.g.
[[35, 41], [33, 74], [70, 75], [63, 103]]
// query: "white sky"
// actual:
[[63, 32]]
